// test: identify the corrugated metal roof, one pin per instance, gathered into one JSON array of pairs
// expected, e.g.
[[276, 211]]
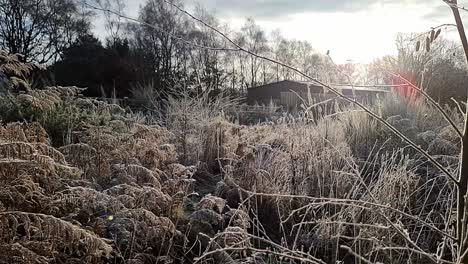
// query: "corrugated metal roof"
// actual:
[[309, 83], [268, 84], [369, 88]]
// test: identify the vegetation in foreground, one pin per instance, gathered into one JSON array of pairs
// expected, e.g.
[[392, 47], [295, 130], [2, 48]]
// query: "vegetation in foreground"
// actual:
[[83, 181]]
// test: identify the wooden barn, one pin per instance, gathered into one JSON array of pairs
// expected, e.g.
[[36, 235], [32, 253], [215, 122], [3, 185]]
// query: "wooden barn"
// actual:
[[286, 93]]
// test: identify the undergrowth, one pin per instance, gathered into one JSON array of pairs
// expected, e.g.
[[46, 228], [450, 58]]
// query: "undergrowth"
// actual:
[[83, 181]]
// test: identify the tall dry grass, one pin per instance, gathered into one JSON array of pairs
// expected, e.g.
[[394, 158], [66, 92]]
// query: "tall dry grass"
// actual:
[[198, 124], [349, 157]]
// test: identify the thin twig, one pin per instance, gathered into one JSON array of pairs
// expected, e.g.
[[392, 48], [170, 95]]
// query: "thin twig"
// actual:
[[432, 28], [458, 107], [342, 223], [431, 256], [320, 201], [356, 254], [219, 250], [455, 6], [348, 77]]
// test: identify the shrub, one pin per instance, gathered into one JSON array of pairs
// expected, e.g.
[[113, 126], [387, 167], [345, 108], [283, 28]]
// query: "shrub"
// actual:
[[191, 119]]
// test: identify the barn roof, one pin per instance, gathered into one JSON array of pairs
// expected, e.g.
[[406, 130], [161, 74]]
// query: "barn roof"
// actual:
[[370, 88], [283, 81], [366, 88]]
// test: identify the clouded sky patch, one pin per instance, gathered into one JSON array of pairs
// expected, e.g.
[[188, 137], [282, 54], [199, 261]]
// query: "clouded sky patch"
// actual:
[[357, 30]]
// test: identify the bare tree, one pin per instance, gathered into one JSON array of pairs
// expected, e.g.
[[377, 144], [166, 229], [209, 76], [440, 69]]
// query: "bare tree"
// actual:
[[253, 37], [114, 24], [164, 56], [209, 67], [40, 29]]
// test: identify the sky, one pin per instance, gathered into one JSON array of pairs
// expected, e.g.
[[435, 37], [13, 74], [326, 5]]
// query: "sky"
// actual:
[[352, 30]]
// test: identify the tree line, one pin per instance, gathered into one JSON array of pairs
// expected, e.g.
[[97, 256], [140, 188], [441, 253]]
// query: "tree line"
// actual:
[[169, 51]]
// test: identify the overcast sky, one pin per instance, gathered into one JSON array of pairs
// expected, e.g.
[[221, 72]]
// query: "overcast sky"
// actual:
[[357, 30]]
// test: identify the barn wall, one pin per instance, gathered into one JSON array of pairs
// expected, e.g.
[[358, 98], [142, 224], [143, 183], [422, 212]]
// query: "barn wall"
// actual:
[[272, 92], [281, 93], [292, 99]]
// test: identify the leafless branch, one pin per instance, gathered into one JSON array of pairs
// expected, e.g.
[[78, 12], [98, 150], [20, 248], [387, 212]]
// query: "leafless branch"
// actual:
[[433, 28], [284, 255], [431, 256], [321, 201], [350, 81], [458, 107], [343, 223], [361, 258], [451, 4]]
